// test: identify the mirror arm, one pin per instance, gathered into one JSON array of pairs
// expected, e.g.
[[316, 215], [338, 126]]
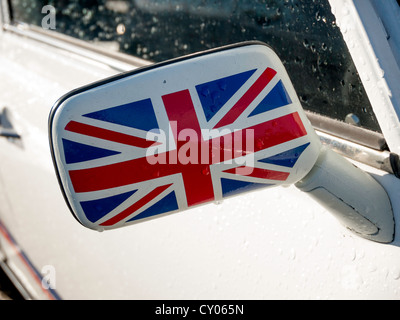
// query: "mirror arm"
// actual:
[[355, 198]]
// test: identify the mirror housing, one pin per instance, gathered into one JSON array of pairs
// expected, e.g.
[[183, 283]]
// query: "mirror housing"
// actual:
[[179, 134]]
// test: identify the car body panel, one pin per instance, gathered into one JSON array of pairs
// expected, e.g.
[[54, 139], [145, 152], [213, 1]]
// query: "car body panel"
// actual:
[[270, 244]]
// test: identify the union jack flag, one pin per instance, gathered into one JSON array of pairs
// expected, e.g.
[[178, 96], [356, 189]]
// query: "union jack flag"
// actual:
[[118, 182]]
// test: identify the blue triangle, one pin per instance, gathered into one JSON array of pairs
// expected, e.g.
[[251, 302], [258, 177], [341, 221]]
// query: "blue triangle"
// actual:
[[276, 98], [97, 209], [213, 95], [139, 115], [287, 158], [165, 205], [77, 152], [233, 187]]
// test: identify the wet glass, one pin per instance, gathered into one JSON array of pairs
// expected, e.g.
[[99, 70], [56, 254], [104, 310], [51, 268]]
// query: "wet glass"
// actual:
[[302, 32]]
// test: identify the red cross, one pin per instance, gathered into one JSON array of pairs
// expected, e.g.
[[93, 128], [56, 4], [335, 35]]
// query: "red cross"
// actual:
[[196, 177]]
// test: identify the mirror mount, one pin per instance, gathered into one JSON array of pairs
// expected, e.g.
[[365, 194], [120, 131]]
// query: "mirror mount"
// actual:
[[353, 196]]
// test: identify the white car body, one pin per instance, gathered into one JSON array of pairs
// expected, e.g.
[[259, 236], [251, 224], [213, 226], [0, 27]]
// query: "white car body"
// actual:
[[270, 244]]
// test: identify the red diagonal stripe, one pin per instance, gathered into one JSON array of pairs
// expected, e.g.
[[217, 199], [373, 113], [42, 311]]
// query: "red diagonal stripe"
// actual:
[[259, 173], [247, 98], [110, 135], [136, 206]]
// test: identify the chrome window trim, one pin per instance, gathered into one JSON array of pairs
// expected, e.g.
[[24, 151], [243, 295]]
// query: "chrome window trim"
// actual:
[[346, 131], [371, 154], [119, 61], [382, 160]]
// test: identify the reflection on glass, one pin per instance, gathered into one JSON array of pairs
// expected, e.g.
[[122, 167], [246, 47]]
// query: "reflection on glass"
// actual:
[[302, 32]]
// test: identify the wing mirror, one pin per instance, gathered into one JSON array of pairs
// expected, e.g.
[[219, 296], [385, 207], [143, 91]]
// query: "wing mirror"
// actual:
[[198, 129]]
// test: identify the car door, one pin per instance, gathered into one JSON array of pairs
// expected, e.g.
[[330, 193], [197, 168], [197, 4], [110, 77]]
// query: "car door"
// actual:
[[274, 243]]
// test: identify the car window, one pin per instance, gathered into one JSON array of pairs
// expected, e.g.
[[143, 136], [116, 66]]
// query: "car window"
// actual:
[[302, 32]]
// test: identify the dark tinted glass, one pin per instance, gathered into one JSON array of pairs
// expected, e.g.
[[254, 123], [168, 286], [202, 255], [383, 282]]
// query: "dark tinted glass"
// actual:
[[302, 32]]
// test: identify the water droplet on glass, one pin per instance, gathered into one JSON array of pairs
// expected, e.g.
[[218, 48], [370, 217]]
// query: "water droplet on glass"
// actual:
[[121, 29], [351, 118]]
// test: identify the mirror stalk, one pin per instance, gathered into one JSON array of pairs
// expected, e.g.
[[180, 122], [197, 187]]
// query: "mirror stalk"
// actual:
[[354, 197]]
